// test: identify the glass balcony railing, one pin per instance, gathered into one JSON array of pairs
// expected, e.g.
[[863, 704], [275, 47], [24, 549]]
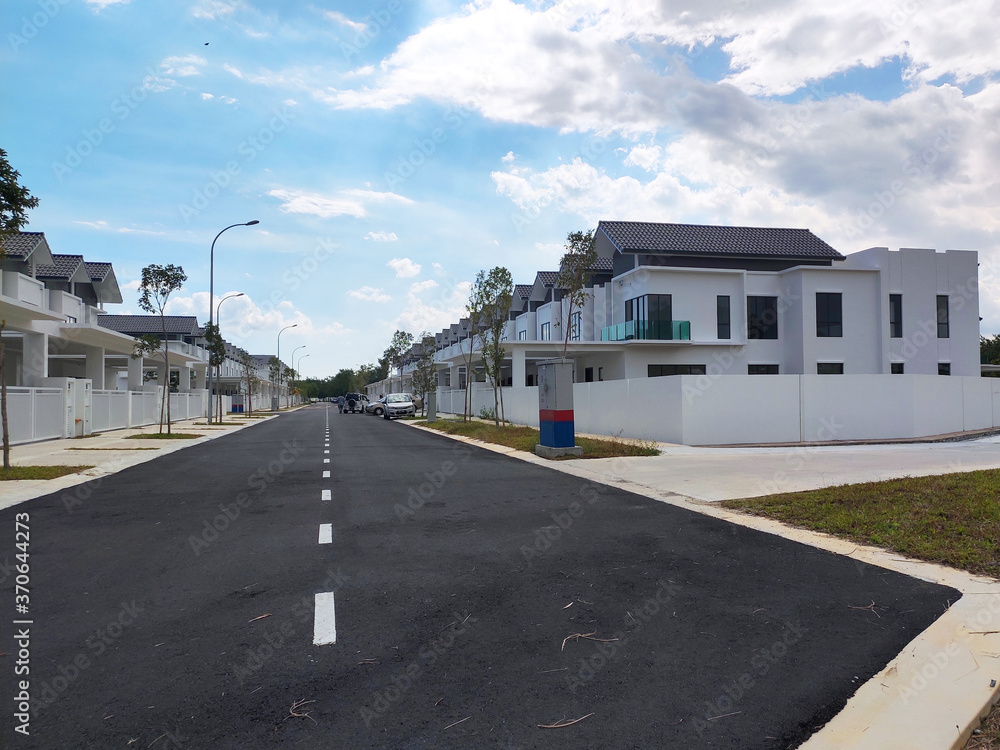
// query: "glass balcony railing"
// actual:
[[648, 330]]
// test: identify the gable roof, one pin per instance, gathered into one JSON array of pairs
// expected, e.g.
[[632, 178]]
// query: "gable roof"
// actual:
[[697, 239], [548, 278], [63, 267], [137, 325], [19, 246], [522, 290], [98, 271]]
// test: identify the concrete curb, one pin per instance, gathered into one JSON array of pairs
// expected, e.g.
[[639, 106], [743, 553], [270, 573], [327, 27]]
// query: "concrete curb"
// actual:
[[932, 694], [29, 489]]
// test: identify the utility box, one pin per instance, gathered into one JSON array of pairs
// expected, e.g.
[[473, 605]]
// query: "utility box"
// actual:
[[557, 434]]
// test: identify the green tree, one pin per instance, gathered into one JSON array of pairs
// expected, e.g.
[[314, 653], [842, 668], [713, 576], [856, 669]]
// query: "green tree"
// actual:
[[216, 347], [397, 349], [989, 351], [249, 367], [495, 293], [425, 374], [575, 270], [155, 286], [15, 200]]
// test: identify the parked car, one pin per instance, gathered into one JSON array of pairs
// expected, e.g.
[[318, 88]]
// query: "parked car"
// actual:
[[355, 403], [376, 407], [398, 405]]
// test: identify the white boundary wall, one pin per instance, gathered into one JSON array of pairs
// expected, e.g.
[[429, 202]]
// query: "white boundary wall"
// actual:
[[734, 409], [41, 413]]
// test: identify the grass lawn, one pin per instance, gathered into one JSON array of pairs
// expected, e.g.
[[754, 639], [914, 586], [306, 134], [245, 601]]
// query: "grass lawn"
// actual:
[[164, 436], [526, 438], [39, 472], [952, 519]]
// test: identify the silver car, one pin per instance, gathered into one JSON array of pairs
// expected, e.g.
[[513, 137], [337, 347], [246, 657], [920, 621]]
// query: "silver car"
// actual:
[[399, 405]]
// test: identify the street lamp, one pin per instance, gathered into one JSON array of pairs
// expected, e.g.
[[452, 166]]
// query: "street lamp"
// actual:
[[289, 395], [278, 395], [211, 301], [218, 367], [297, 373]]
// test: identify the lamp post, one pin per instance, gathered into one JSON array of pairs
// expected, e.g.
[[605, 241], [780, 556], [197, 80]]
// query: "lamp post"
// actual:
[[278, 394], [297, 373], [218, 367], [211, 300], [289, 395]]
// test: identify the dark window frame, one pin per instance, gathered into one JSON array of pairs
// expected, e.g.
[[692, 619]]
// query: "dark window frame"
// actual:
[[895, 316], [897, 368], [943, 319], [723, 317], [660, 371], [760, 309], [829, 315], [829, 368], [763, 369], [944, 368]]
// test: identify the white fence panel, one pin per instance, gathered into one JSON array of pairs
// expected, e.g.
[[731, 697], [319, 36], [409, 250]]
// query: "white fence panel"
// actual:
[[109, 410], [35, 414]]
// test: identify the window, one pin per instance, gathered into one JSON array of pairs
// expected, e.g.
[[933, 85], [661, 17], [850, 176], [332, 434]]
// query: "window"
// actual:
[[651, 315], [896, 316], [722, 316], [942, 316], [896, 368], [829, 368], [762, 317], [546, 332], [658, 371], [522, 335], [600, 374], [447, 378], [944, 368], [588, 374], [574, 326], [829, 315], [762, 369]]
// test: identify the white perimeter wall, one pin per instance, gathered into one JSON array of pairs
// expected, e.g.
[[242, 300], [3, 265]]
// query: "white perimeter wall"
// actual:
[[733, 409]]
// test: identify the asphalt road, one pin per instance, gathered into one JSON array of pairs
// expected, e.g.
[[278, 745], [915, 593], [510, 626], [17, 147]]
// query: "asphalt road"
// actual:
[[477, 597]]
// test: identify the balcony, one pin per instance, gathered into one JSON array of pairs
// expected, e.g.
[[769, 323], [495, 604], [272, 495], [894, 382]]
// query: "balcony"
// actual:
[[648, 330], [24, 289]]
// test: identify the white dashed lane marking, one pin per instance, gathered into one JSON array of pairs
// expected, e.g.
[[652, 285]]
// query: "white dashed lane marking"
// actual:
[[326, 460], [326, 475], [327, 495], [325, 623], [326, 533]]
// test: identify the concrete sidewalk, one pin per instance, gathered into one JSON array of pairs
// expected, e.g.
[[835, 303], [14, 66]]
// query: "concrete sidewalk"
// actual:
[[107, 452], [935, 692]]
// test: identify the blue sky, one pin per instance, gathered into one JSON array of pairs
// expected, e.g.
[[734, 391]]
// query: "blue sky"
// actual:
[[391, 150]]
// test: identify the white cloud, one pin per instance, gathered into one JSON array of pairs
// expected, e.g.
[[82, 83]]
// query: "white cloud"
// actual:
[[404, 267], [100, 5], [290, 103], [214, 9], [447, 308], [344, 203], [205, 96], [382, 236], [508, 157], [645, 157], [422, 286], [243, 320], [103, 226], [343, 20], [369, 294], [183, 66]]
